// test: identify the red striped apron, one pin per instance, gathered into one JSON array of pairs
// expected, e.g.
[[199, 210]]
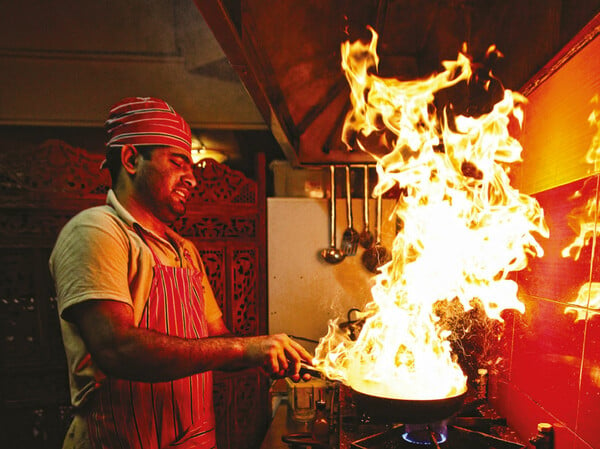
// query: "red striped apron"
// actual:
[[176, 414]]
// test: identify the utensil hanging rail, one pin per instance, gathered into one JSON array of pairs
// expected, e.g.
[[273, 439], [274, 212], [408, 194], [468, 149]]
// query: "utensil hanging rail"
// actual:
[[338, 165]]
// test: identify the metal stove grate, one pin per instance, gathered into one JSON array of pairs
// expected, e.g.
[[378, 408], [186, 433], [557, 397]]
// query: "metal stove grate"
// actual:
[[457, 437], [477, 426]]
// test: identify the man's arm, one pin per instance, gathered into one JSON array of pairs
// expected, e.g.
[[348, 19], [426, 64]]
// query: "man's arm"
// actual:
[[123, 350]]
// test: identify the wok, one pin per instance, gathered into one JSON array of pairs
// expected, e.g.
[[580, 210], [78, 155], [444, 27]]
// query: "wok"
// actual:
[[407, 411]]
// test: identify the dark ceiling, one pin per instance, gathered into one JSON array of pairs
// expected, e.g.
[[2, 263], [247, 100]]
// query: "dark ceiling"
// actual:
[[287, 52]]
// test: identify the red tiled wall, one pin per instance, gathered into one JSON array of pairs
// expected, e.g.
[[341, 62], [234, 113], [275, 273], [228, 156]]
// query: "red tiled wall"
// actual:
[[552, 369]]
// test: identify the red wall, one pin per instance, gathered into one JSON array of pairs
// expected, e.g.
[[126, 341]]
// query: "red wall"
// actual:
[[552, 352]]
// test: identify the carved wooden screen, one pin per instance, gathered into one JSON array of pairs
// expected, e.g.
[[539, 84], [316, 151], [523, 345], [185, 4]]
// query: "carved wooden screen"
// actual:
[[226, 220], [41, 187]]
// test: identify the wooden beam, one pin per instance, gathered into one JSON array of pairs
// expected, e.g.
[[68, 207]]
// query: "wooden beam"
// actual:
[[321, 105], [338, 125]]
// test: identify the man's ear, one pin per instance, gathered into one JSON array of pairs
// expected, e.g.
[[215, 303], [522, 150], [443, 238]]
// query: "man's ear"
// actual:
[[130, 158]]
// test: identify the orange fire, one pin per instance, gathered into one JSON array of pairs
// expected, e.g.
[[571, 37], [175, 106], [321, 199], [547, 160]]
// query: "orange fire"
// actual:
[[579, 307], [583, 222], [464, 228]]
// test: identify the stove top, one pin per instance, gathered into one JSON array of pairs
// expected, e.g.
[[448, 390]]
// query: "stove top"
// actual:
[[456, 437], [476, 426]]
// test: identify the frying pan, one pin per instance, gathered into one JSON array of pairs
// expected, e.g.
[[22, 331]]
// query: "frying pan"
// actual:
[[407, 411]]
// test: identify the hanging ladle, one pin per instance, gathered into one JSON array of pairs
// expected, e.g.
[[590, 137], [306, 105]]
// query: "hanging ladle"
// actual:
[[366, 238], [377, 255], [332, 254]]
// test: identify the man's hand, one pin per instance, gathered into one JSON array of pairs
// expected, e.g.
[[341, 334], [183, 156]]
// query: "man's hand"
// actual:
[[278, 355]]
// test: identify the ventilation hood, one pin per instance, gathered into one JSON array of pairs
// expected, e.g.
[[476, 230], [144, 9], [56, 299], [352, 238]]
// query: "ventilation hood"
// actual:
[[287, 53]]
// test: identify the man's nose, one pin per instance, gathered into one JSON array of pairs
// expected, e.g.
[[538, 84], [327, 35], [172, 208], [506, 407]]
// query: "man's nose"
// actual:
[[189, 179]]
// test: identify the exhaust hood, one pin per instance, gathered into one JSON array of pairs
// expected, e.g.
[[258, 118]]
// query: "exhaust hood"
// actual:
[[287, 53]]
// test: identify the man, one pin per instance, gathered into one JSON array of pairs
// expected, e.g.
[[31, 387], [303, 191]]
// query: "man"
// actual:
[[141, 327]]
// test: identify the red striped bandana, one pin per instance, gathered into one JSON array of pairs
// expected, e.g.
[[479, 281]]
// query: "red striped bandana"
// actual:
[[146, 121]]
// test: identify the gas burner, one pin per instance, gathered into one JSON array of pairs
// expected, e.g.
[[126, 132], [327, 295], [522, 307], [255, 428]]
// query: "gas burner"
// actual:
[[426, 434]]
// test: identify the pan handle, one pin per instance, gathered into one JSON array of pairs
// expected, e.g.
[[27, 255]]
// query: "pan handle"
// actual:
[[306, 368]]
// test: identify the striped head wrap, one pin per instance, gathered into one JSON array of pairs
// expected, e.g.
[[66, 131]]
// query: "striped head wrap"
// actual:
[[146, 121]]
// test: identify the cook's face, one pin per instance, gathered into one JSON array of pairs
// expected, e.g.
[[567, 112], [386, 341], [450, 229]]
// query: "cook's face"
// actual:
[[166, 182]]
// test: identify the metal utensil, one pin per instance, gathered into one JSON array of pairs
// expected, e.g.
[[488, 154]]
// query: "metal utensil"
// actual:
[[366, 238], [332, 254], [376, 255], [354, 325], [350, 235]]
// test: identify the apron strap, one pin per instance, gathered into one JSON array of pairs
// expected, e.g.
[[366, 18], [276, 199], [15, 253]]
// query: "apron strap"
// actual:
[[140, 232]]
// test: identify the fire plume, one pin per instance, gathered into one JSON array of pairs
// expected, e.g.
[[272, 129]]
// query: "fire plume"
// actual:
[[463, 227]]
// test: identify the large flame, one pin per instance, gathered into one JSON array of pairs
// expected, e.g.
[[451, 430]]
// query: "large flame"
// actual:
[[464, 228]]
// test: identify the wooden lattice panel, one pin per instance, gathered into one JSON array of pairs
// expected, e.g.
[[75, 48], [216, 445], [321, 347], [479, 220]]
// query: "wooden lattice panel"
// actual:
[[240, 401], [244, 312], [224, 413], [42, 383], [214, 263], [54, 168], [217, 228], [41, 427], [248, 402], [217, 183], [19, 227], [19, 309]]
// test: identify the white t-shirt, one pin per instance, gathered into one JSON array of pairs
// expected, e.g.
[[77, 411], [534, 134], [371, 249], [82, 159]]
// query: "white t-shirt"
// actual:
[[99, 255]]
